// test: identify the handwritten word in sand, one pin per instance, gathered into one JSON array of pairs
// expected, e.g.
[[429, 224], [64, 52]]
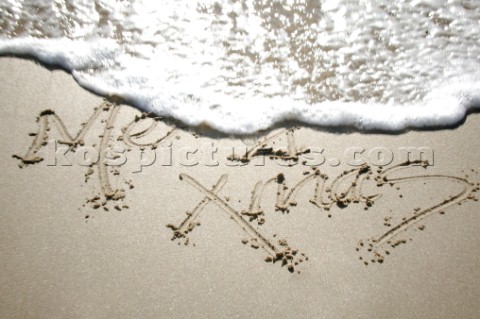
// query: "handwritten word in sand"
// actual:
[[326, 194], [342, 191], [130, 135]]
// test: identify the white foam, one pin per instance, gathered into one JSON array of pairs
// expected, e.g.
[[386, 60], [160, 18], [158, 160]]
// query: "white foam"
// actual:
[[68, 54], [240, 68]]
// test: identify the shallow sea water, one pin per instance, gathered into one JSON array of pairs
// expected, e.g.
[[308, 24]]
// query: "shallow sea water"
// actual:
[[242, 66]]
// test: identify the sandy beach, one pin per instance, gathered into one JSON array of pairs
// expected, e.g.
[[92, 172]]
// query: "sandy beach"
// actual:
[[111, 213]]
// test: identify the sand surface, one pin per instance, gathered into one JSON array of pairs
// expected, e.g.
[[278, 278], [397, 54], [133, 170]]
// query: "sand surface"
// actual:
[[299, 223]]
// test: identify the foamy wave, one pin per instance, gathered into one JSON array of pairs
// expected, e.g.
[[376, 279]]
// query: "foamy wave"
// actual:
[[243, 66], [65, 53], [443, 107]]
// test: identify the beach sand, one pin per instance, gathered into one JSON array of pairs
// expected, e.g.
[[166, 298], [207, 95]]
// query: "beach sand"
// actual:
[[298, 227]]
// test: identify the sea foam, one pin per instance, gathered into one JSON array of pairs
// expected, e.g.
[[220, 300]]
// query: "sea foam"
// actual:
[[242, 66]]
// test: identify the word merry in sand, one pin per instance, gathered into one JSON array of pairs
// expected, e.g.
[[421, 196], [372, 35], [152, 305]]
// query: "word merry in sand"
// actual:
[[142, 132], [130, 136]]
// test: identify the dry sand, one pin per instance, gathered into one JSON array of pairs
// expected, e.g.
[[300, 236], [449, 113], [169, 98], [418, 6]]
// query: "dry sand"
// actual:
[[268, 234]]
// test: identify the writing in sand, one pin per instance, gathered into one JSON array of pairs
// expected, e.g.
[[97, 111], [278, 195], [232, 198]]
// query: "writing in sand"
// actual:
[[360, 186]]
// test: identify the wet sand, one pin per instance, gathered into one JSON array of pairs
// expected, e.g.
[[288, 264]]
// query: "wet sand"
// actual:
[[299, 222]]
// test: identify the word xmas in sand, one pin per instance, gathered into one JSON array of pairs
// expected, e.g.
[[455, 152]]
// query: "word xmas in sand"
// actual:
[[362, 185]]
